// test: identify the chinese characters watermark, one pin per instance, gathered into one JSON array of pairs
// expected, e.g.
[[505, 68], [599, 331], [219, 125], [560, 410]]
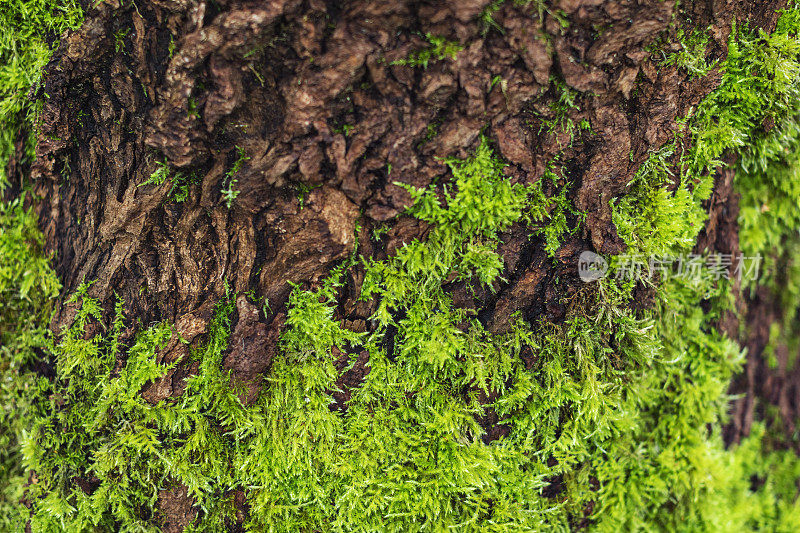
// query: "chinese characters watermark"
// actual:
[[592, 267]]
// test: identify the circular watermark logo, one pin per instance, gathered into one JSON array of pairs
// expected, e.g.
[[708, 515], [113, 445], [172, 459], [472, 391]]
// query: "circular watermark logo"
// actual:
[[591, 267]]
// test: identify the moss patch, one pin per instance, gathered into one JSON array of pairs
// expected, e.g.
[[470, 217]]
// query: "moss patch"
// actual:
[[29, 29]]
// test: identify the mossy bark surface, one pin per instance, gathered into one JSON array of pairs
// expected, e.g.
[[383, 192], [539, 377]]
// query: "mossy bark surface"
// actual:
[[190, 150], [310, 98]]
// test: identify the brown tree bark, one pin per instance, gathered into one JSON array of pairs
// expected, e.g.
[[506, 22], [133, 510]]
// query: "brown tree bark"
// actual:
[[307, 91]]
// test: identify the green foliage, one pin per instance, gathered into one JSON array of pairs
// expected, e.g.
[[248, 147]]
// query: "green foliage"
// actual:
[[24, 51], [656, 218], [761, 83], [596, 408], [555, 209], [193, 111], [119, 39], [93, 424], [692, 56], [565, 101], [344, 129], [303, 191], [407, 453], [669, 471], [752, 487], [767, 176], [27, 284], [771, 187], [229, 190], [486, 17], [551, 213], [27, 287], [159, 175], [181, 181], [439, 49]]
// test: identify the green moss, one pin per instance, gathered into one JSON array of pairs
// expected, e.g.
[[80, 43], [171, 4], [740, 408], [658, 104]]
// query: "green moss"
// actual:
[[24, 51], [761, 82], [229, 190], [692, 56], [93, 424], [439, 49], [119, 39], [555, 216], [27, 284], [27, 289], [656, 218], [181, 181], [407, 452], [767, 180], [551, 215], [565, 101]]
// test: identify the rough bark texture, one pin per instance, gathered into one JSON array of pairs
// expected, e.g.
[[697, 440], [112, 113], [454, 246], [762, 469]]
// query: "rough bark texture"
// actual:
[[191, 83], [277, 79]]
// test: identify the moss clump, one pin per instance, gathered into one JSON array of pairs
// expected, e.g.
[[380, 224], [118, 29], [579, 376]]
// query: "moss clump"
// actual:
[[768, 182], [27, 284], [25, 47], [408, 449], [662, 212], [101, 452], [27, 289], [692, 55], [439, 49], [655, 218], [555, 215], [181, 181], [229, 191]]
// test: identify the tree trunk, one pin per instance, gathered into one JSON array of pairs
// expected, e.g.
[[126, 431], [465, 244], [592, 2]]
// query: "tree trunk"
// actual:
[[309, 98], [190, 147]]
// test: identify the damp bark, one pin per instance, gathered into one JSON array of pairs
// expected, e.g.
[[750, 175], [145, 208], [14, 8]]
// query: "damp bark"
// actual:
[[305, 109]]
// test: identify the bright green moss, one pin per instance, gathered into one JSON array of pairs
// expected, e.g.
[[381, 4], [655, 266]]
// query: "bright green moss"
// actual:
[[694, 484], [617, 405], [27, 287], [180, 181], [27, 284], [552, 214], [408, 450], [466, 229], [653, 219], [761, 83], [439, 49], [229, 191], [93, 424], [555, 216], [692, 55], [768, 182], [24, 51]]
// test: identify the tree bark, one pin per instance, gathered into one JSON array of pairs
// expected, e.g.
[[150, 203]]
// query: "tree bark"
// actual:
[[305, 97]]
